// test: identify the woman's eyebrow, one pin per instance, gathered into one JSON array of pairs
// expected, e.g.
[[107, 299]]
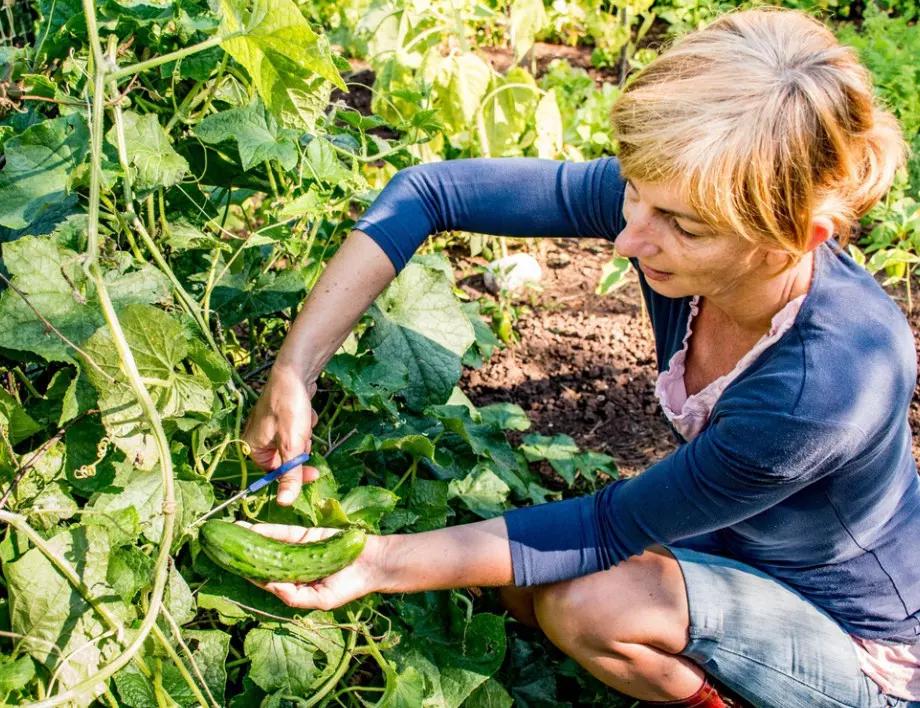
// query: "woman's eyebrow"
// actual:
[[681, 215], [671, 212]]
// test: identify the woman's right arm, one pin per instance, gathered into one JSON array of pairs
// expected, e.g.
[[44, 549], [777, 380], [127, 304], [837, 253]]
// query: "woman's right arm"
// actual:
[[512, 197]]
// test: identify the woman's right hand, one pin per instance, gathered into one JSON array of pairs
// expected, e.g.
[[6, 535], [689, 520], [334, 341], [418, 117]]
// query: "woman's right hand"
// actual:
[[280, 428]]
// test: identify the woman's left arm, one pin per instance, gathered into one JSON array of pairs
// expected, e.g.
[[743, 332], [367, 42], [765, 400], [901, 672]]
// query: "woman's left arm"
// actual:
[[742, 464], [476, 554]]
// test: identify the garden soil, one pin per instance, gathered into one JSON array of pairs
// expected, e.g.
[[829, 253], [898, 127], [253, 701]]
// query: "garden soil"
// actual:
[[585, 365]]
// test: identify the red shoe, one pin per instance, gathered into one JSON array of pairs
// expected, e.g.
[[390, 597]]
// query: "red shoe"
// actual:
[[706, 697]]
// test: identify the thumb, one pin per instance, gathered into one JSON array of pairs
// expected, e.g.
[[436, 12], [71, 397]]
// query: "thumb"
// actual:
[[290, 483]]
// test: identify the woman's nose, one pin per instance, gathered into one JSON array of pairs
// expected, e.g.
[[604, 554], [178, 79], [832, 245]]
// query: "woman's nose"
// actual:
[[634, 241]]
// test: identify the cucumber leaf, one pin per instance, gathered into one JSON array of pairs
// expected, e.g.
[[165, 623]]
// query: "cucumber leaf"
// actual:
[[159, 346], [284, 656], [55, 284], [152, 159], [52, 616], [256, 132], [38, 165], [286, 59], [419, 323]]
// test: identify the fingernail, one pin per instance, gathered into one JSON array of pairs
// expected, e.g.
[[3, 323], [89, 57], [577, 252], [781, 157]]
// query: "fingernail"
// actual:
[[286, 496]]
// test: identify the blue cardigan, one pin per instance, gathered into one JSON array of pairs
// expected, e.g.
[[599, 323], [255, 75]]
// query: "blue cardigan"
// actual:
[[805, 468]]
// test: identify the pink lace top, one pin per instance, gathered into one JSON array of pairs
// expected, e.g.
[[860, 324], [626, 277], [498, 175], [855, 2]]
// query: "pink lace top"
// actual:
[[894, 667]]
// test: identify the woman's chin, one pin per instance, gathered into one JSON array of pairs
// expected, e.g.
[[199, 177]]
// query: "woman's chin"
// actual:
[[669, 287]]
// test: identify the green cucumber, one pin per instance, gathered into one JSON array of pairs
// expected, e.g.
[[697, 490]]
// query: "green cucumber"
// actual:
[[252, 555]]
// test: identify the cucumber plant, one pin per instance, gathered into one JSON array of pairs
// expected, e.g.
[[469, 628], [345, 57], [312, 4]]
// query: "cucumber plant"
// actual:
[[174, 178]]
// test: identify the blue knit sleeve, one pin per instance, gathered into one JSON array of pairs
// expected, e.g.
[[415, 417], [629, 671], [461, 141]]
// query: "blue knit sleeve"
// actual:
[[503, 197], [747, 461]]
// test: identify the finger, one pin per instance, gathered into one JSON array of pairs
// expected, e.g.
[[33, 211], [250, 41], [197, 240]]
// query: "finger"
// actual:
[[289, 486], [267, 458], [296, 595], [293, 534], [311, 391], [314, 417], [310, 474], [290, 483]]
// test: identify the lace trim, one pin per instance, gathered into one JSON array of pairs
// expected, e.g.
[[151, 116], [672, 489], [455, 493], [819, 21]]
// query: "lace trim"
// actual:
[[689, 415]]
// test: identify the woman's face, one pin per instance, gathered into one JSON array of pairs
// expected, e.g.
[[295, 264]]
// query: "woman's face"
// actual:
[[678, 253]]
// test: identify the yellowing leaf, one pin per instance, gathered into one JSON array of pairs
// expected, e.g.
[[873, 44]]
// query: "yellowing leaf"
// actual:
[[273, 41], [528, 17], [549, 126]]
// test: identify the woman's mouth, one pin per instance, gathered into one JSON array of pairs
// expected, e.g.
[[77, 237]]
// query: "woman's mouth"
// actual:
[[653, 274]]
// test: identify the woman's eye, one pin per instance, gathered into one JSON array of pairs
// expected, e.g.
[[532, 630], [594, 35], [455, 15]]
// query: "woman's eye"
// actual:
[[683, 232]]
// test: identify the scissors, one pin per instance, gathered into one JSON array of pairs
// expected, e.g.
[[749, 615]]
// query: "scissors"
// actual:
[[257, 485]]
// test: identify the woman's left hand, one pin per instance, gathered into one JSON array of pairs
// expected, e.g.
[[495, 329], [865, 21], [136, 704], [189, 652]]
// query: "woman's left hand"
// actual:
[[355, 580]]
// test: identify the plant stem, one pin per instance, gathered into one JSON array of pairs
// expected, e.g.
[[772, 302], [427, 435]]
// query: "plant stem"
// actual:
[[339, 671], [186, 102], [271, 178], [177, 660], [151, 216], [129, 367], [124, 71]]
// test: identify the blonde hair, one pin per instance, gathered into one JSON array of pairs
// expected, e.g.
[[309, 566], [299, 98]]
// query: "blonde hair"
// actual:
[[765, 121]]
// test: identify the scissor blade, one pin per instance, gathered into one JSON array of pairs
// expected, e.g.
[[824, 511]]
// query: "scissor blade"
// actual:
[[220, 507], [257, 485]]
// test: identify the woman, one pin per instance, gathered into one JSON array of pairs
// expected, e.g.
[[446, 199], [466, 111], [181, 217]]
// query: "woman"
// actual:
[[776, 550]]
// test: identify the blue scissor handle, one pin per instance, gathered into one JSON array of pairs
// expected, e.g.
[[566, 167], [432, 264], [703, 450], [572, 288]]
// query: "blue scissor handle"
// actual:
[[275, 473]]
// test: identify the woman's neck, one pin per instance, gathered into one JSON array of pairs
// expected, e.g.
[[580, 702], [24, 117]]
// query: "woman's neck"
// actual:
[[751, 305]]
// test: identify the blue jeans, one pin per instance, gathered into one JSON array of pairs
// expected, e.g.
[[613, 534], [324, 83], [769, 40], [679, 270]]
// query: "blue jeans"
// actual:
[[767, 643]]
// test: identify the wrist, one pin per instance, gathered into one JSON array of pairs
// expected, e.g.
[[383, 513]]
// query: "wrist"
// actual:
[[290, 368], [385, 553]]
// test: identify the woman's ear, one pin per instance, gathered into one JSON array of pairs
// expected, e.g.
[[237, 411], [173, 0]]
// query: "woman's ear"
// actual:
[[822, 228]]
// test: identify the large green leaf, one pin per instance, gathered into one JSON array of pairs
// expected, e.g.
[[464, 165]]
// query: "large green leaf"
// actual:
[[14, 675], [486, 440], [179, 601], [563, 456], [284, 656], [461, 84], [18, 423], [209, 650], [143, 490], [53, 617], [51, 278], [483, 492], [129, 570], [257, 135], [453, 652], [284, 57], [428, 504], [323, 164], [491, 694], [239, 296], [151, 157], [507, 115], [419, 324], [371, 382], [38, 165], [403, 690], [158, 344]]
